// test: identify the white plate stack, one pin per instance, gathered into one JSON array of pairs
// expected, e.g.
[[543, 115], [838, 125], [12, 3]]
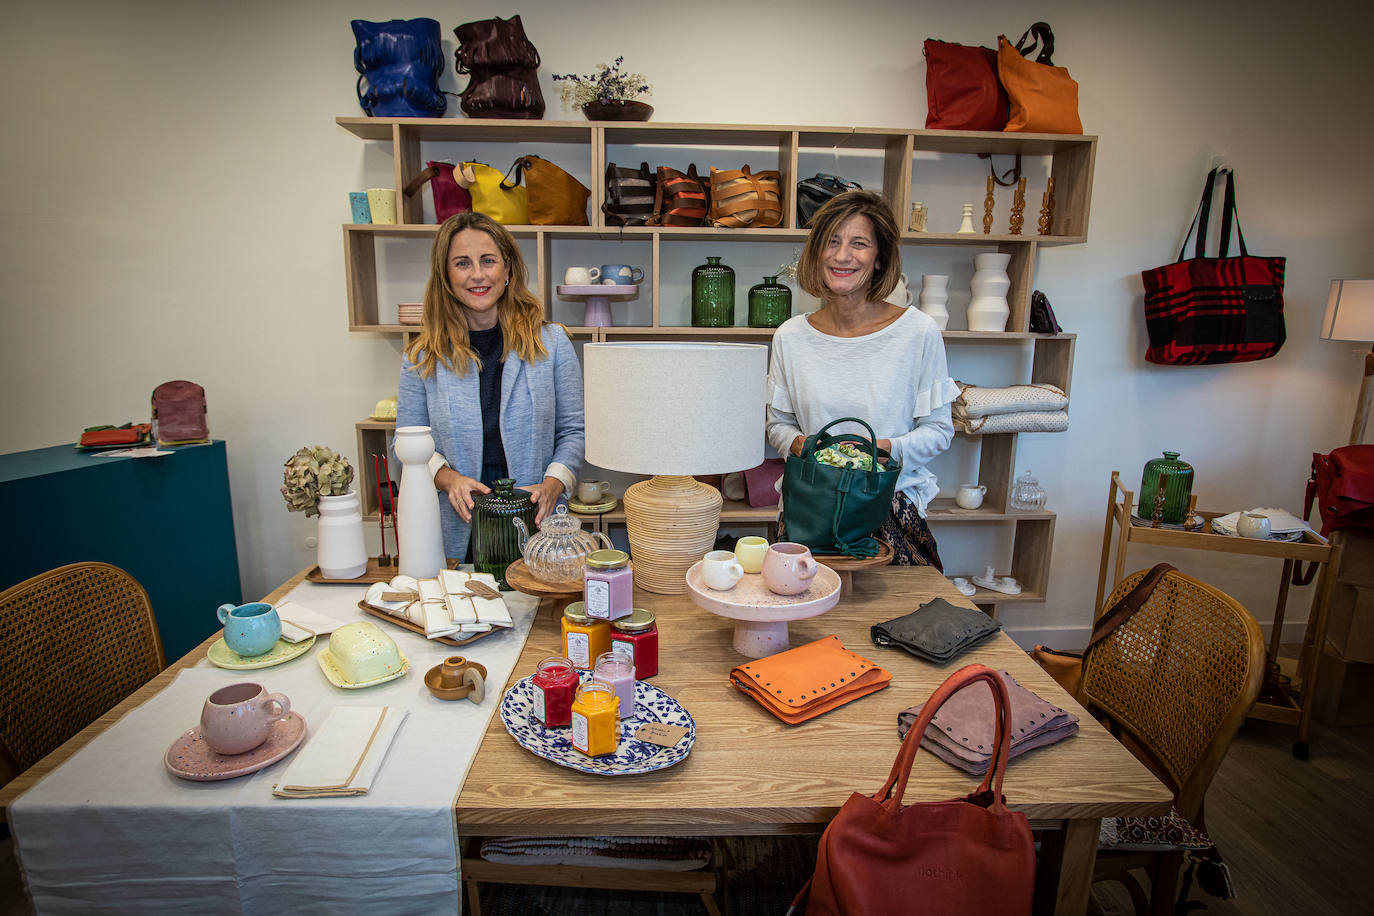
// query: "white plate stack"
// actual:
[[410, 312]]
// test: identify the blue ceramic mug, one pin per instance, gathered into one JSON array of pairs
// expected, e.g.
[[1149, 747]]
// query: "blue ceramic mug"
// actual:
[[250, 629], [620, 274], [362, 212]]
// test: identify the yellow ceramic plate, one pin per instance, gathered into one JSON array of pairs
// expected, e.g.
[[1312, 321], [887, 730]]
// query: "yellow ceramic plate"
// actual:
[[605, 505], [221, 655], [335, 676]]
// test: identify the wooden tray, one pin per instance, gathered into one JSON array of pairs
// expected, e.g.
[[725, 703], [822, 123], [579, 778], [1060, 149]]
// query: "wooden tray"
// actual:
[[519, 577], [373, 573], [419, 630], [841, 563]]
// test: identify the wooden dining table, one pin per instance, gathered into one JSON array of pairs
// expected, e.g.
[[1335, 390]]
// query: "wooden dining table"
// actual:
[[749, 773]]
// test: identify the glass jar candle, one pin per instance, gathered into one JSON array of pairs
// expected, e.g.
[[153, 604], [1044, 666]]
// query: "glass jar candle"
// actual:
[[555, 686], [609, 585], [616, 669], [596, 719], [583, 638], [637, 636]]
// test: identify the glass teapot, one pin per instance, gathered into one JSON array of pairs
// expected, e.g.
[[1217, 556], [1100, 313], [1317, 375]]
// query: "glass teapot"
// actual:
[[558, 552], [1027, 494]]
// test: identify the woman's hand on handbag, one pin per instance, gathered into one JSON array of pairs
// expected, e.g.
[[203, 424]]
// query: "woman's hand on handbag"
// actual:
[[459, 489], [545, 496]]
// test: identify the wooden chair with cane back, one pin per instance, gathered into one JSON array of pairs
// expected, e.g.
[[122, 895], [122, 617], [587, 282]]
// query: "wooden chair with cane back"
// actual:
[[74, 642], [1174, 683]]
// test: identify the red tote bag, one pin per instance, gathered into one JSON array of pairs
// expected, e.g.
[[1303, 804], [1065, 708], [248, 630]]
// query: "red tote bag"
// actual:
[[969, 856]]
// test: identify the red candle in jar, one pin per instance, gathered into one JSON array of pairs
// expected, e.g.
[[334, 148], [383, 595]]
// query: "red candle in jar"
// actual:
[[555, 686], [637, 634]]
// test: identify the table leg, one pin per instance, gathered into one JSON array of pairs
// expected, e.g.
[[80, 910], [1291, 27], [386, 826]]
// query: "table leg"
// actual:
[[1064, 875], [1315, 644]]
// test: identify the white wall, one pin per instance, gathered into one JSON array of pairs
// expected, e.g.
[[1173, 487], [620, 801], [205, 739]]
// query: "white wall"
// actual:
[[173, 185]]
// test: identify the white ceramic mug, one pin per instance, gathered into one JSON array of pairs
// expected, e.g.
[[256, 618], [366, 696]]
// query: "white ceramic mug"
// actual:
[[1253, 525], [970, 495], [589, 492], [901, 293], [750, 550], [721, 570], [581, 276]]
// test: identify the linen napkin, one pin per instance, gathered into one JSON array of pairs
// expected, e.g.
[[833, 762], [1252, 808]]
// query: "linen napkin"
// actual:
[[804, 682], [937, 631], [455, 602], [299, 622], [343, 757], [962, 732]]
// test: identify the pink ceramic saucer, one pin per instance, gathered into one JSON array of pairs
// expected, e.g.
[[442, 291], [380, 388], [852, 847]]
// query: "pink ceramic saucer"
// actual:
[[190, 757]]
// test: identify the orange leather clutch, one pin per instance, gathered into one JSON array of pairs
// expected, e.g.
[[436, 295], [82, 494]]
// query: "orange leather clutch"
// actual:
[[804, 682]]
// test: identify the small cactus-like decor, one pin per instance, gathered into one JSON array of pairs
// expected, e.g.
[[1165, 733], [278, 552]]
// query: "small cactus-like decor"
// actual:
[[312, 472]]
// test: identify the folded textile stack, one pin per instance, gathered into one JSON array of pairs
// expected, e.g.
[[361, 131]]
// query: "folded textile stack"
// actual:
[[455, 602], [667, 853], [344, 756], [299, 622], [963, 732], [1038, 408], [937, 631]]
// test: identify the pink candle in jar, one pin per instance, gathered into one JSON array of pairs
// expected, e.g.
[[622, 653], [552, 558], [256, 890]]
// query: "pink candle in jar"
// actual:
[[616, 669]]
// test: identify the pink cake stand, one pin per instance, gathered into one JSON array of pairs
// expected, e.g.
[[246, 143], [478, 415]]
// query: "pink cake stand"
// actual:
[[599, 300], [760, 616]]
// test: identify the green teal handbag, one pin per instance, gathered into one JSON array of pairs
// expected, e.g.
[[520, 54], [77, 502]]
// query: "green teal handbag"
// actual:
[[837, 510]]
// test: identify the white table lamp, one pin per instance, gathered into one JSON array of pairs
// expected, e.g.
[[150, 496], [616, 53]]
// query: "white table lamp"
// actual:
[[673, 410], [1350, 316]]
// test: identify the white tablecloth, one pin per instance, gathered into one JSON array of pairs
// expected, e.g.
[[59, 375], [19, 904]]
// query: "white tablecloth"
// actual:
[[111, 831]]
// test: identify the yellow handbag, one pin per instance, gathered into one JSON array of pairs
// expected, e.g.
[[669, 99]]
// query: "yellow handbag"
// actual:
[[508, 205]]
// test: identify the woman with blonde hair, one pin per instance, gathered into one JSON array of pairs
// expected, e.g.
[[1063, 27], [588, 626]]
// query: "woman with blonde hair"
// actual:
[[500, 387], [859, 356]]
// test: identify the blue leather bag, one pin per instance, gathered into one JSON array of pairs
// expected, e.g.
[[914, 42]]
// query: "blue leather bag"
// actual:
[[401, 61]]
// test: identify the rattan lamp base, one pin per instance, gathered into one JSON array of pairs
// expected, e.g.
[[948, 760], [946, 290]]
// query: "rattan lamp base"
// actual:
[[672, 523]]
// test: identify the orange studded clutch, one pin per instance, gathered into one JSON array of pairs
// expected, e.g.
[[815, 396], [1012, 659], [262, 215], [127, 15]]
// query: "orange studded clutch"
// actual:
[[804, 682]]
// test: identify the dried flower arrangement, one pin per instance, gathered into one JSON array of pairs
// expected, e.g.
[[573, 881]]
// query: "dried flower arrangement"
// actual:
[[606, 84], [312, 472]]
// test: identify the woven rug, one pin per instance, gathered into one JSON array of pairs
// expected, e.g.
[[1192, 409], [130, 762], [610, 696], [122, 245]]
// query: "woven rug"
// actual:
[[764, 875]]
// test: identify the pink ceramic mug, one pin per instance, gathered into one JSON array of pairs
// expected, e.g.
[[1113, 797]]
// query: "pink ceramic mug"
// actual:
[[237, 718], [788, 568]]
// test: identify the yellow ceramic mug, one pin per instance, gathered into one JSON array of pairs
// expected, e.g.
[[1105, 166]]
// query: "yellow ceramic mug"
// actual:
[[750, 551]]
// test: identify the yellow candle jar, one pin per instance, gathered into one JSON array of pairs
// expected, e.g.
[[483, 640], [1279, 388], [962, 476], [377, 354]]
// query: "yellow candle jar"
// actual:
[[596, 719], [584, 638]]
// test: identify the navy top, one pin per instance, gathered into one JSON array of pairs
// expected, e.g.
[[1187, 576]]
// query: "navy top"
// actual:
[[488, 345]]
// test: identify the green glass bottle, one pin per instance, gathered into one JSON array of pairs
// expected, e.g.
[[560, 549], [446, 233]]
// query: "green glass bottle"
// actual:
[[770, 303], [713, 295], [1178, 486], [496, 542]]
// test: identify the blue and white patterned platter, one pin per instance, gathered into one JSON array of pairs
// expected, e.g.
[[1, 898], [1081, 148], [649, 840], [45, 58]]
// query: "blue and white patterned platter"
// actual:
[[631, 756]]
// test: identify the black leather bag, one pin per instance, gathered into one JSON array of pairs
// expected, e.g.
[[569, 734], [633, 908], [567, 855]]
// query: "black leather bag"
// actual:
[[812, 193], [504, 68], [629, 195]]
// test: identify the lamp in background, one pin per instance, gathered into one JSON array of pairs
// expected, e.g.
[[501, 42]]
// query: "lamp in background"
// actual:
[[1350, 316], [673, 410]]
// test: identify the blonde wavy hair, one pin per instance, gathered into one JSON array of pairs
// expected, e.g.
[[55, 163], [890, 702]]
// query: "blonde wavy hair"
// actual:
[[443, 336]]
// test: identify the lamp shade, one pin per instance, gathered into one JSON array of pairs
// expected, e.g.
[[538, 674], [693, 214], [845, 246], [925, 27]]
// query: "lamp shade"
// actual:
[[675, 408], [1349, 311]]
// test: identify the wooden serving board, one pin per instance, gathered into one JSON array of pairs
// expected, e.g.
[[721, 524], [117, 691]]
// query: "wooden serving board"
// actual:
[[373, 573], [519, 577], [417, 629]]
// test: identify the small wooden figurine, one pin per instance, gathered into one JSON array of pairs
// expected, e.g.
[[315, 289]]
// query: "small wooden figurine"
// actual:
[[1192, 521], [1157, 516], [1018, 207], [987, 206], [1046, 223]]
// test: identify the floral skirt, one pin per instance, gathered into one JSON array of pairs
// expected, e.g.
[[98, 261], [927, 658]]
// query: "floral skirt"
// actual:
[[910, 537]]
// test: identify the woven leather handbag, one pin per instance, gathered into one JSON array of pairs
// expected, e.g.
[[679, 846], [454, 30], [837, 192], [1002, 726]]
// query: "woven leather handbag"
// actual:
[[837, 510], [680, 198], [741, 199], [812, 193], [970, 855], [401, 62], [629, 195], [555, 197], [450, 196], [504, 68]]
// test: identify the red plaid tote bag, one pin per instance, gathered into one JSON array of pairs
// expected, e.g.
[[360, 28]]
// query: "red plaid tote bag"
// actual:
[[1214, 310]]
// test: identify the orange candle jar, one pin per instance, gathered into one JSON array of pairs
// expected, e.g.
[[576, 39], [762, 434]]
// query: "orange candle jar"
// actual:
[[584, 638], [596, 719]]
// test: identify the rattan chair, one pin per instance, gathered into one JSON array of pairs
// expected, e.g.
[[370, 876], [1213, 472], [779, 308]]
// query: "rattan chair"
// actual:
[[74, 642], [1174, 683]]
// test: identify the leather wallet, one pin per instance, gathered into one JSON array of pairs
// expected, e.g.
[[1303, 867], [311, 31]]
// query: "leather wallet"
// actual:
[[109, 435], [937, 631], [804, 682]]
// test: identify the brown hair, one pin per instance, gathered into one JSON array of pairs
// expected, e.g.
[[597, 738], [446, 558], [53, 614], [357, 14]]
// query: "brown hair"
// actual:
[[443, 333], [887, 269]]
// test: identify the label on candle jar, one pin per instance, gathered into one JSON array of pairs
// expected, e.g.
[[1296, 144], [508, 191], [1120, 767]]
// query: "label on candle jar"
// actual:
[[579, 732], [625, 647], [539, 703], [579, 650], [598, 598]]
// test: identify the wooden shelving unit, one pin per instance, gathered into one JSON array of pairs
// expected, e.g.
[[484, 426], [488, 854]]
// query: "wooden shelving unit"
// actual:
[[904, 155]]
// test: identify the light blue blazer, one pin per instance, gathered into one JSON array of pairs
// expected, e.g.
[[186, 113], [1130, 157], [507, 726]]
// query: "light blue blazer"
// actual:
[[541, 421]]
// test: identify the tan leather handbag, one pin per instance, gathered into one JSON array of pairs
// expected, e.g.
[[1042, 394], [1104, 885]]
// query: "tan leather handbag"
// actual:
[[742, 199], [555, 197]]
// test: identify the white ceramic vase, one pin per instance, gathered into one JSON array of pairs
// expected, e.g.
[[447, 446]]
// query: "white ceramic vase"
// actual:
[[418, 533], [342, 554], [988, 309], [934, 297]]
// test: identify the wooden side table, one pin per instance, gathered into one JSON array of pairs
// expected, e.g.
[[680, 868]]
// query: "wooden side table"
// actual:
[[1313, 548]]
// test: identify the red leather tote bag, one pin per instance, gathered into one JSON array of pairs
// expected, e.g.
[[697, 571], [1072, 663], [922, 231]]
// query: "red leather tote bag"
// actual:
[[968, 856]]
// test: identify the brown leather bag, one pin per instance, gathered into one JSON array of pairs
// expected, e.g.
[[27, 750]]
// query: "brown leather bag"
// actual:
[[179, 413], [1044, 98], [743, 199], [555, 197], [680, 198], [504, 66]]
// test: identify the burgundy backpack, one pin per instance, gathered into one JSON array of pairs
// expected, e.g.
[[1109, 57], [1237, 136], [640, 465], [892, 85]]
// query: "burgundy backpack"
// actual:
[[179, 413]]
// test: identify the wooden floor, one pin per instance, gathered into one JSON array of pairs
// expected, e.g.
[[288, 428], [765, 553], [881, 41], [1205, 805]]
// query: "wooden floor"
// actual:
[[1297, 835]]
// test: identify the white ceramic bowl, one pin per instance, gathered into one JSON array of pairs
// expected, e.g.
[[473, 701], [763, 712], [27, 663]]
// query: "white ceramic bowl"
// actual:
[[360, 653]]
